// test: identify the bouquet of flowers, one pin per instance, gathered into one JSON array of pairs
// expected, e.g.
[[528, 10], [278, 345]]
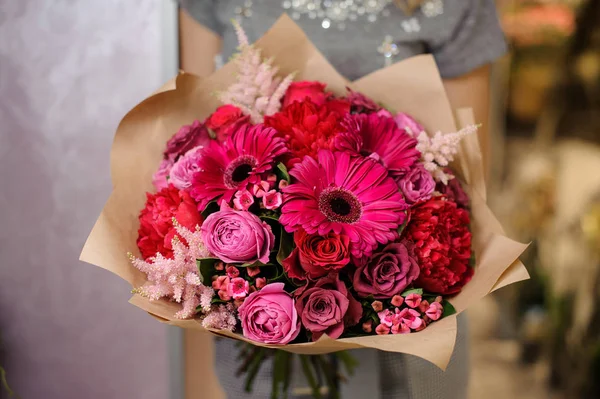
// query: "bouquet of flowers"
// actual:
[[292, 210]]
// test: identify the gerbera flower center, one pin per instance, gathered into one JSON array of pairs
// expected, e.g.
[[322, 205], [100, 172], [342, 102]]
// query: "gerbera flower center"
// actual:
[[340, 205], [238, 171]]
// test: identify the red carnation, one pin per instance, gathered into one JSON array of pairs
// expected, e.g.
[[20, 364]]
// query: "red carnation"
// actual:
[[156, 220], [440, 232], [300, 91], [224, 120], [308, 127]]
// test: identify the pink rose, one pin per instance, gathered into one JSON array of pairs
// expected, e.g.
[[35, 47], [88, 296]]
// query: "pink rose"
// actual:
[[243, 200], [417, 185], [159, 179], [238, 288], [299, 91], [237, 236], [272, 200], [328, 307], [188, 137], [367, 326], [387, 273], [184, 169], [408, 123], [269, 316]]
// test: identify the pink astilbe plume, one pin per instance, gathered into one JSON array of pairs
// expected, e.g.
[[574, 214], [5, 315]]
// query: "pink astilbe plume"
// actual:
[[222, 317], [258, 90], [177, 278], [439, 150]]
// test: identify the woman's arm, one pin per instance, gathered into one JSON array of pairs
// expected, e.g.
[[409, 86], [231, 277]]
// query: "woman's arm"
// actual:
[[473, 91], [198, 46]]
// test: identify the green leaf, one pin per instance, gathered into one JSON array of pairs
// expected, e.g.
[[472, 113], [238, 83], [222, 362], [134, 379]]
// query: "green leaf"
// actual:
[[212, 207], [278, 276], [472, 259], [310, 376], [449, 309], [413, 291], [206, 268], [348, 361], [279, 373], [327, 369], [253, 369], [269, 216], [282, 172], [286, 245], [288, 367], [403, 225]]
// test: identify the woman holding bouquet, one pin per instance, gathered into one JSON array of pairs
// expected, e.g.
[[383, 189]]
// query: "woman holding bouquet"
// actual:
[[359, 37]]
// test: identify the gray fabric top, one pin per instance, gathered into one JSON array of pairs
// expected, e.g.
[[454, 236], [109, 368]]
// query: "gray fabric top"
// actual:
[[465, 36]]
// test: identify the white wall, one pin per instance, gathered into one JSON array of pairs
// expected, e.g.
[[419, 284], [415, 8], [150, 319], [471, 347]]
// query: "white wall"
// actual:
[[69, 70]]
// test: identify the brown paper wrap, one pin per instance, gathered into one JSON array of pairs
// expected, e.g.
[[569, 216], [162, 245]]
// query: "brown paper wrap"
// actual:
[[413, 86]]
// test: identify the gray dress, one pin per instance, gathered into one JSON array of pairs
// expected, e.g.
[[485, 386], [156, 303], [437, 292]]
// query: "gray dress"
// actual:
[[462, 35]]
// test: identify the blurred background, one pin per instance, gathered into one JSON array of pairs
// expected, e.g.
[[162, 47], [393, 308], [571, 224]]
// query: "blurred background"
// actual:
[[70, 69]]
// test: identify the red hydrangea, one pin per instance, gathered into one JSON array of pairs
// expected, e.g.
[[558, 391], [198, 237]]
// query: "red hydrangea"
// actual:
[[440, 232], [156, 220], [308, 127]]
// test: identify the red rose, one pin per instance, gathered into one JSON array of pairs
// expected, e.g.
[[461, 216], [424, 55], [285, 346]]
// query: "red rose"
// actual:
[[188, 137], [308, 127], [299, 91], [315, 255], [440, 232], [156, 220], [223, 119]]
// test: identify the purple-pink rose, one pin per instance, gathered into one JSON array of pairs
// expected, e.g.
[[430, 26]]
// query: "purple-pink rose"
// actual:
[[237, 236], [327, 308], [417, 185], [387, 273], [408, 123], [159, 179], [184, 169], [269, 316], [188, 137]]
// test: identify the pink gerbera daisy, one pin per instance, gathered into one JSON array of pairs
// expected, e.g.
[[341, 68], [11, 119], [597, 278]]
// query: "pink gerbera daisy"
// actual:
[[226, 168], [350, 195], [381, 136]]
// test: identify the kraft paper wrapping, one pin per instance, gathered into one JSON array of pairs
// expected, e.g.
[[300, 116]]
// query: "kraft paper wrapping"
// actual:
[[413, 86]]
